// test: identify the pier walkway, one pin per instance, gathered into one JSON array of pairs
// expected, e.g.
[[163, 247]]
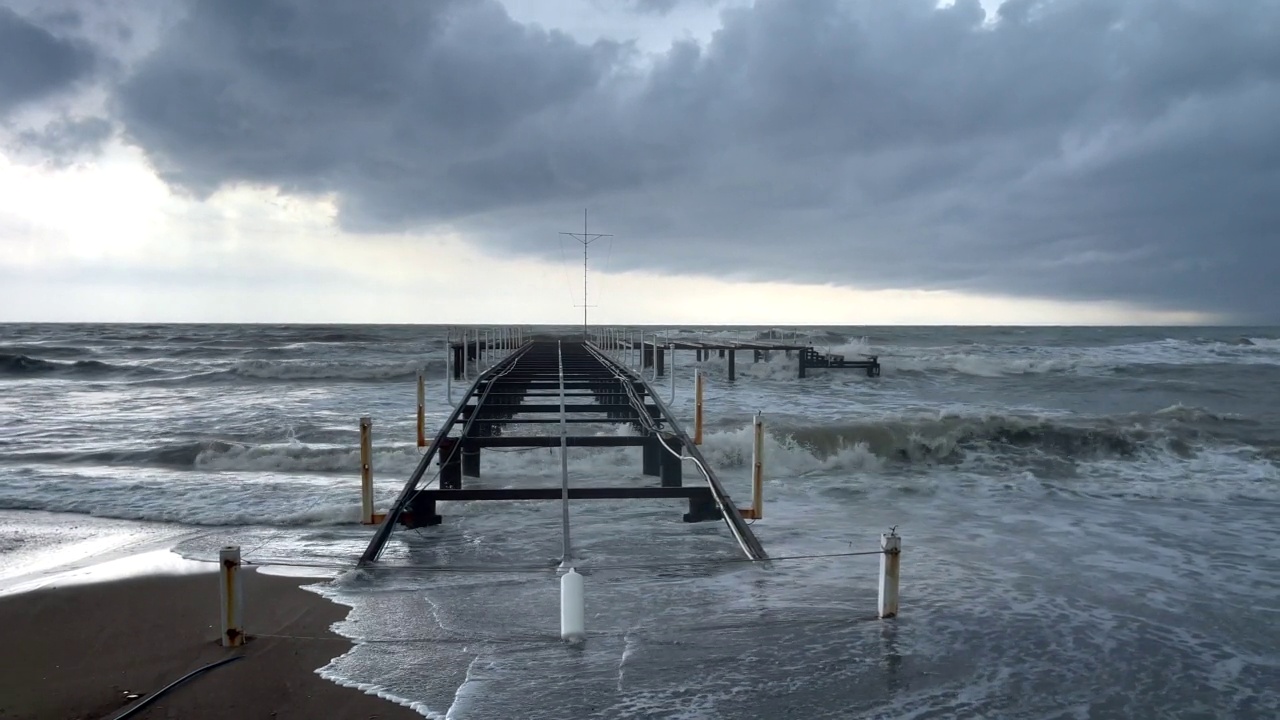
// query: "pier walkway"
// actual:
[[567, 383]]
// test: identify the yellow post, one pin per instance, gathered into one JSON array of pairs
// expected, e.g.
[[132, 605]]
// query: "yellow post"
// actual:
[[422, 421], [756, 511], [697, 407], [366, 470]]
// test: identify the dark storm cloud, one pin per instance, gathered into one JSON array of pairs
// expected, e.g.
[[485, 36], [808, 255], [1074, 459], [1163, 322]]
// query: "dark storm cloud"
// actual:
[[1081, 149], [34, 63]]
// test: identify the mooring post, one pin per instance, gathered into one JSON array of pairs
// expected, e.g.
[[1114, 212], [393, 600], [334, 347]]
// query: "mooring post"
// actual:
[[232, 596], [366, 470], [448, 376], [891, 547], [422, 409], [673, 373], [757, 468], [732, 371], [697, 407]]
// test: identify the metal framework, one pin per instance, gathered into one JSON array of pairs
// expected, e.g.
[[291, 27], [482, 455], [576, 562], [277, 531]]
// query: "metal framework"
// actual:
[[566, 382]]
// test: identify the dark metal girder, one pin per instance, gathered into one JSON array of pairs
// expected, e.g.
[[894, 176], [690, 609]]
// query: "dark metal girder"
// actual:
[[549, 441], [575, 493]]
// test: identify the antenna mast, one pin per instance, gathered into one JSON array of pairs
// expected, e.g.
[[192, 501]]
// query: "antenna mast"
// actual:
[[586, 239]]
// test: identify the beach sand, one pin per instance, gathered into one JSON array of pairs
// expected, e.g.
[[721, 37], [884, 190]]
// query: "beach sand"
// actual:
[[77, 651]]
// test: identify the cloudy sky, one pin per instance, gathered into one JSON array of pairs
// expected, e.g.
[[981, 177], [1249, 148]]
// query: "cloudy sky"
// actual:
[[775, 161]]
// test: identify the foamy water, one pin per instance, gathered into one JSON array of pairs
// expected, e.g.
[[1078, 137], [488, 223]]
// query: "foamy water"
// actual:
[[1088, 518]]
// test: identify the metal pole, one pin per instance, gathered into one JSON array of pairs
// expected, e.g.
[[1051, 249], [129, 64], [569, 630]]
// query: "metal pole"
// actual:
[[448, 376], [564, 463], [697, 407], [672, 369], [422, 402], [757, 469]]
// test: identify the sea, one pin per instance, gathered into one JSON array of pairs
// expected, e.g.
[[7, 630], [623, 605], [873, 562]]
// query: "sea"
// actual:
[[1089, 517]]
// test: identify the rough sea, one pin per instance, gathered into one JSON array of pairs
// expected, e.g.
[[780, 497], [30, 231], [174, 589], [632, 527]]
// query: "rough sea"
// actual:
[[1090, 518]]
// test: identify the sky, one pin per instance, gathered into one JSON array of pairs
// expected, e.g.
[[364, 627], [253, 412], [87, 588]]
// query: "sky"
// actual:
[[755, 162]]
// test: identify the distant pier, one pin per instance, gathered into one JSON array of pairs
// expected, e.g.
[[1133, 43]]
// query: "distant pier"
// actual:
[[654, 351]]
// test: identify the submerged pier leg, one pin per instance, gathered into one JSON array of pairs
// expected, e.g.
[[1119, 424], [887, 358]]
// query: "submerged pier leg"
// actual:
[[733, 373], [651, 461], [470, 459], [450, 456], [702, 508], [422, 512], [672, 467]]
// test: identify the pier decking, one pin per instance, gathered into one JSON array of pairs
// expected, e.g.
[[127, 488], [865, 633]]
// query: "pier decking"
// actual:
[[568, 382]]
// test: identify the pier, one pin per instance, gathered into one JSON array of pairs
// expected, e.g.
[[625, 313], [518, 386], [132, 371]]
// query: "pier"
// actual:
[[534, 383], [654, 349]]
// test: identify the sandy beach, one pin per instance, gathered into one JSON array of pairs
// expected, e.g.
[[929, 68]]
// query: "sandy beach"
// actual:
[[79, 651]]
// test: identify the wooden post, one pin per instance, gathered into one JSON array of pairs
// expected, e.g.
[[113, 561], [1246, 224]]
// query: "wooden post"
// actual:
[[232, 597], [366, 470], [756, 511], [697, 407], [422, 417], [891, 544]]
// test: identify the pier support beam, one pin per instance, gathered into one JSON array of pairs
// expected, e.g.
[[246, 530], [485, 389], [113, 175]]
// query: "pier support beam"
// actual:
[[450, 464], [672, 467], [422, 512], [470, 459], [733, 374], [651, 460], [702, 508], [661, 358]]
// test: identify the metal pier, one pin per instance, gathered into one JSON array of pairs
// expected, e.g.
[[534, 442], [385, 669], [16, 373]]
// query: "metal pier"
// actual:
[[568, 382], [653, 351]]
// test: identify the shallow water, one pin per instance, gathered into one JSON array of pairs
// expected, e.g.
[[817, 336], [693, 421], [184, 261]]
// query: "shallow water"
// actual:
[[1088, 518]]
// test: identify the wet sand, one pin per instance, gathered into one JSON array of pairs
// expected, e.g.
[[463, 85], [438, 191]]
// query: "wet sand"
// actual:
[[78, 651]]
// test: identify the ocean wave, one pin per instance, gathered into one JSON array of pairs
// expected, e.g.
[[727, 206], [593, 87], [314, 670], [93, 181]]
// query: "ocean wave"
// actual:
[[13, 365], [1002, 361], [1177, 431], [220, 455], [331, 370]]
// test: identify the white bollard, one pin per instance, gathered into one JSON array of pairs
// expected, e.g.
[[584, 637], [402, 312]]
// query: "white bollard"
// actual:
[[366, 470], [232, 597], [573, 624], [891, 544]]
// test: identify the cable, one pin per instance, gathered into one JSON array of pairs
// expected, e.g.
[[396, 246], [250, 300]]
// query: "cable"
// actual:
[[480, 569], [152, 698]]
